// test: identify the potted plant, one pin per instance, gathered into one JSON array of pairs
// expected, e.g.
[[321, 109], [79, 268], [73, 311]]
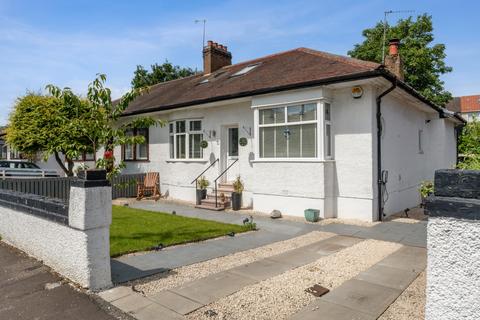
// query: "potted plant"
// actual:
[[202, 185], [237, 194], [426, 189]]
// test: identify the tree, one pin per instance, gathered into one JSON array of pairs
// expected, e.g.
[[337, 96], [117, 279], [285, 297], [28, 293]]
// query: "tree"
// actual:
[[100, 123], [469, 145], [64, 123], [423, 62], [159, 73], [41, 123]]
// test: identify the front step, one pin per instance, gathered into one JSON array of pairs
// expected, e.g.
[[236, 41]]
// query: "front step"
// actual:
[[209, 203]]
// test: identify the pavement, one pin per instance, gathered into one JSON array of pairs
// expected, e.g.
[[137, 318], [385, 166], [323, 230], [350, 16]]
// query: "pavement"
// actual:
[[29, 290], [136, 266]]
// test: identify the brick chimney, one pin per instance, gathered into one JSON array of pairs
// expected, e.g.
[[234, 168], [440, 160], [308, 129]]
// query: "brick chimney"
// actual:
[[215, 56], [393, 61]]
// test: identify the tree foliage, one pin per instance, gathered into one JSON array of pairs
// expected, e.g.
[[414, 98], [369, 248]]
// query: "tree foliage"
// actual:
[[469, 146], [159, 73], [423, 61], [65, 123]]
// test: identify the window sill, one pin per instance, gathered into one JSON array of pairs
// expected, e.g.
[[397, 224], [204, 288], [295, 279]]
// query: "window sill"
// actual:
[[187, 160], [145, 160], [292, 160]]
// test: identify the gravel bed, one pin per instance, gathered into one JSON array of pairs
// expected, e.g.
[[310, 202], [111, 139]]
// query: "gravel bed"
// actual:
[[410, 304], [281, 296], [179, 276]]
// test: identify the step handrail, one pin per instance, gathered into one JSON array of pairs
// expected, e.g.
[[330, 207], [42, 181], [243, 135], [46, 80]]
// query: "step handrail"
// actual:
[[221, 174], [201, 174]]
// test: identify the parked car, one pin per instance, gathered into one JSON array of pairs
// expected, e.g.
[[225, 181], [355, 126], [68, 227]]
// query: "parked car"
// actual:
[[24, 169]]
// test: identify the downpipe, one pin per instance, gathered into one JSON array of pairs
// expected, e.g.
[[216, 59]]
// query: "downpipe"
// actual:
[[380, 181]]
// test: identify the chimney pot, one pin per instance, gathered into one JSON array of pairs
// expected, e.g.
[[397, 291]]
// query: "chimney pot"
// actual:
[[393, 46], [393, 61], [215, 56]]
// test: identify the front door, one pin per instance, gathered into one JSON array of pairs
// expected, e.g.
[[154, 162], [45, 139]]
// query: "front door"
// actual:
[[229, 152]]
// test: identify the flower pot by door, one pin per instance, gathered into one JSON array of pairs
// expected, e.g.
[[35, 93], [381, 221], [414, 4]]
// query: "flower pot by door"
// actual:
[[236, 201], [201, 194]]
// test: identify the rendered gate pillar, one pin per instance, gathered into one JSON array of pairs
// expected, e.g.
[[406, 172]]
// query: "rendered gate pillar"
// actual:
[[453, 242], [90, 210]]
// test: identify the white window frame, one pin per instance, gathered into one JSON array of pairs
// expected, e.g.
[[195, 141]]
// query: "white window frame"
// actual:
[[329, 124], [187, 134], [320, 134]]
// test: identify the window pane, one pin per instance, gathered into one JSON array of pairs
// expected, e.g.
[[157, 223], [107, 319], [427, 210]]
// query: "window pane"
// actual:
[[327, 112], [180, 126], [275, 115], [128, 152], [142, 151], [309, 133], [266, 142], [180, 146], [196, 125], [309, 112], [89, 156], [195, 151], [328, 140], [294, 142], [170, 127], [233, 142], [172, 148], [294, 113], [281, 137]]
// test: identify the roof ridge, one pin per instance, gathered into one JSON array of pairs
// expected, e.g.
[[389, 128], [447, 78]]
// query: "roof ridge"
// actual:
[[338, 57]]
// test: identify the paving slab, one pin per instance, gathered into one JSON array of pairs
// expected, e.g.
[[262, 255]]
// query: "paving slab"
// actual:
[[407, 258], [175, 302], [156, 312], [261, 269], [213, 287], [132, 302], [363, 296], [323, 310], [115, 293], [388, 276]]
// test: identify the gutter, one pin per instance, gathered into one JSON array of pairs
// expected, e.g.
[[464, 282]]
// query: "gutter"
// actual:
[[380, 181]]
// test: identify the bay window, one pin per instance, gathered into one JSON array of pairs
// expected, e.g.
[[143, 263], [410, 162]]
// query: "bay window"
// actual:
[[288, 132], [185, 137], [327, 118], [139, 151]]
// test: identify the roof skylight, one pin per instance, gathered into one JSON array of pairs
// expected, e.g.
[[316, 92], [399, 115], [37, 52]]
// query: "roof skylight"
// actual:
[[245, 70]]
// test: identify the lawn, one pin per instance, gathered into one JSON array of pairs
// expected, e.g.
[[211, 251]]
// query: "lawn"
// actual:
[[139, 230]]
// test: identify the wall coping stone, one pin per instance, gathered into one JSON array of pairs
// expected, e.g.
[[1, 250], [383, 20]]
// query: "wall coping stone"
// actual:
[[47, 208], [453, 207], [89, 183], [457, 183]]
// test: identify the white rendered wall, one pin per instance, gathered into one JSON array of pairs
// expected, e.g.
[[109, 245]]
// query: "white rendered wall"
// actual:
[[407, 166], [453, 277], [80, 251]]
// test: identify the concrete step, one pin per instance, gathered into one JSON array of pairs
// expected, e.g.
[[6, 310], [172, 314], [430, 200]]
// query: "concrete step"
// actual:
[[225, 190], [212, 195], [211, 202], [210, 207]]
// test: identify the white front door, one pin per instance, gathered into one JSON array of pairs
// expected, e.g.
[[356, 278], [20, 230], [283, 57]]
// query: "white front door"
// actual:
[[229, 152]]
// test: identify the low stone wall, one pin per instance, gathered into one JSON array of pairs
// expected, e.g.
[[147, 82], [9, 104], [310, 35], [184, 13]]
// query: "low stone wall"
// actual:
[[453, 269], [72, 240]]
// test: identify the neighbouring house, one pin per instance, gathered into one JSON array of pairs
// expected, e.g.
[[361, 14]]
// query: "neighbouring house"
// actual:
[[467, 106]]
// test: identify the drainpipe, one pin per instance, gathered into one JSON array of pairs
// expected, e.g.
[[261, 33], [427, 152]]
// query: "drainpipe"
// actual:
[[379, 149]]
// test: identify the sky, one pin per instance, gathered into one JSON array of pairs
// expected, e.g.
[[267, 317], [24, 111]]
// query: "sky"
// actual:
[[67, 42]]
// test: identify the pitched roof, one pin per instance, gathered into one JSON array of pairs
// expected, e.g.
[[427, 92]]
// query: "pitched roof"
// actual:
[[465, 104], [294, 68]]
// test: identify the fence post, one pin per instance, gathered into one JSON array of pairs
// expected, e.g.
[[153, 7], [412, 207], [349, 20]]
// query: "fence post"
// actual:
[[90, 210]]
